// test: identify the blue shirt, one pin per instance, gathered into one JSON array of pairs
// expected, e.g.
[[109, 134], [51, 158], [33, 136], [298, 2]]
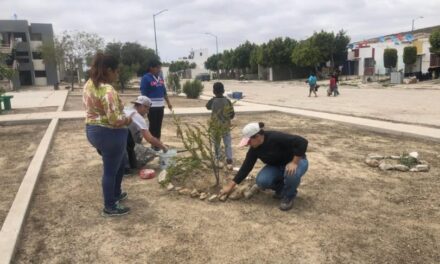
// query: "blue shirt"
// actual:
[[153, 87], [312, 80]]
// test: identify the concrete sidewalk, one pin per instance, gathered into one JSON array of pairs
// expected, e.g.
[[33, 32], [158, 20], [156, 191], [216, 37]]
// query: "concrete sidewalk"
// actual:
[[31, 99]]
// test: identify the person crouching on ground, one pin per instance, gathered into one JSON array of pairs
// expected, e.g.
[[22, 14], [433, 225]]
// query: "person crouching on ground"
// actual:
[[222, 112], [285, 159], [106, 129], [138, 154]]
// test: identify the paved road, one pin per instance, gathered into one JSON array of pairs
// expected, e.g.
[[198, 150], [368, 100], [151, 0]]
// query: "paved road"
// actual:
[[419, 104]]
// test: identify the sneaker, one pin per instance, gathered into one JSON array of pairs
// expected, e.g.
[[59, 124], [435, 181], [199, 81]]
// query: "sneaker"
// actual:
[[122, 197], [229, 165], [118, 210], [286, 204]]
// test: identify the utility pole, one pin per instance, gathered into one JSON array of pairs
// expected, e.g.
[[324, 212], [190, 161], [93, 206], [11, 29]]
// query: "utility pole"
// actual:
[[412, 25], [154, 25], [216, 40]]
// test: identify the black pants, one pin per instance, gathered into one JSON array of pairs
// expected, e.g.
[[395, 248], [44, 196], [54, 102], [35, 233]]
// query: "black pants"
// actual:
[[155, 117], [130, 151]]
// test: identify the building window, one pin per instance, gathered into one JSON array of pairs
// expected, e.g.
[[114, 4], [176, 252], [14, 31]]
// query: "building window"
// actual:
[[39, 74], [21, 54], [20, 37], [36, 37], [37, 55], [23, 60]]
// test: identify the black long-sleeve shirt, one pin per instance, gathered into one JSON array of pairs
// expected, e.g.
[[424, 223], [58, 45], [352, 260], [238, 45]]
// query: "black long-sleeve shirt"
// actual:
[[278, 149]]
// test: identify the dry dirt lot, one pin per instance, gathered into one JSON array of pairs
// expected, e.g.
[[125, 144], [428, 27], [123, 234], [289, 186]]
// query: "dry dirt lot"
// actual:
[[18, 144], [346, 212], [29, 110], [74, 102]]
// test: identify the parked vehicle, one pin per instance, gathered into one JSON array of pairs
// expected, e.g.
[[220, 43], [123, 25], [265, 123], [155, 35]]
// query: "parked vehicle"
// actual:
[[203, 77]]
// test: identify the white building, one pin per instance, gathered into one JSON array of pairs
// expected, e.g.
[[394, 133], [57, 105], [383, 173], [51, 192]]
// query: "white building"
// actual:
[[199, 57], [367, 56]]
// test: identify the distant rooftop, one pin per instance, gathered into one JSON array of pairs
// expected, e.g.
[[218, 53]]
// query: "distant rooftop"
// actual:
[[417, 33]]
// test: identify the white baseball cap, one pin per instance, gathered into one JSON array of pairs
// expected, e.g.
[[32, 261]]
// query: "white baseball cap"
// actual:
[[143, 100], [248, 131]]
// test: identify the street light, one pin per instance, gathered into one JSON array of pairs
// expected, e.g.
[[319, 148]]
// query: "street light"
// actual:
[[154, 23], [216, 40], [412, 27]]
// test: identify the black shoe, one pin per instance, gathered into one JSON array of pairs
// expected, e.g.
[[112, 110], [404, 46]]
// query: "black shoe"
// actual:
[[118, 210], [122, 197], [286, 204]]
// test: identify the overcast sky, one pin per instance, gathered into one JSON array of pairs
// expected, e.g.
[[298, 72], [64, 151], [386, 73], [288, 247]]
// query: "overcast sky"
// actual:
[[182, 26]]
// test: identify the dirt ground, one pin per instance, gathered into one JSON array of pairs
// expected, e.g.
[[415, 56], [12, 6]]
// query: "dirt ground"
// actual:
[[15, 111], [18, 144], [74, 102], [345, 212]]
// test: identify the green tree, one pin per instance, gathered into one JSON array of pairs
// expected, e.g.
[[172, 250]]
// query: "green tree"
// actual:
[[409, 55], [241, 55], [278, 51], [306, 54], [213, 62], [137, 56], [178, 66], [340, 51], [6, 72], [434, 40], [390, 58], [77, 47]]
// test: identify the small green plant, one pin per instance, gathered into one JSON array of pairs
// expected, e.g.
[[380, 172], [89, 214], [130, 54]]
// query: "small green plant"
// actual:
[[193, 89], [407, 160], [173, 83], [199, 141], [390, 58]]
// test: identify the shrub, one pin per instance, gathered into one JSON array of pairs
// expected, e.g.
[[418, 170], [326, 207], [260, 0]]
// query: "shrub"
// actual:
[[434, 40], [173, 83], [409, 55], [390, 58], [193, 89]]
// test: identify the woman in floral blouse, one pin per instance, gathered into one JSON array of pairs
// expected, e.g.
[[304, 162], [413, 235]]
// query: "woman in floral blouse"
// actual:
[[106, 129]]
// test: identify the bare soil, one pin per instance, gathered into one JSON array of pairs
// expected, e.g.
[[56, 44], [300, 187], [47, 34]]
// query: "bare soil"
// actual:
[[346, 212], [74, 102], [30, 110], [18, 144]]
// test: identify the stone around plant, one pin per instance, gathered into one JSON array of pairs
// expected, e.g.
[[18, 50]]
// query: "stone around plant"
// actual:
[[162, 176], [414, 155], [251, 192], [385, 166], [372, 162], [422, 168], [236, 194], [401, 167], [395, 157], [223, 198], [195, 193], [213, 198], [170, 186], [375, 156], [203, 196], [185, 192], [178, 188]]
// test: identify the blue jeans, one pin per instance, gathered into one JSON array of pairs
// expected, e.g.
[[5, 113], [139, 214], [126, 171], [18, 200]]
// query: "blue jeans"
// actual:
[[275, 178], [111, 143], [227, 140]]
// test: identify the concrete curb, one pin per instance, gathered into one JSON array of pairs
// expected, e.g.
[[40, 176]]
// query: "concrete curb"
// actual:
[[12, 226]]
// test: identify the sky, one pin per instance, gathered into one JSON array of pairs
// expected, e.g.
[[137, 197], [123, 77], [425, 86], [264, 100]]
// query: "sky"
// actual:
[[182, 27]]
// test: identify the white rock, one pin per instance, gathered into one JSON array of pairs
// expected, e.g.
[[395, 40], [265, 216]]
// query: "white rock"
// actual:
[[195, 193], [385, 166], [395, 157], [185, 191], [414, 155], [236, 195], [223, 198], [422, 168], [375, 156], [162, 176], [253, 190], [372, 162], [212, 198], [179, 188], [170, 186], [401, 167], [203, 196]]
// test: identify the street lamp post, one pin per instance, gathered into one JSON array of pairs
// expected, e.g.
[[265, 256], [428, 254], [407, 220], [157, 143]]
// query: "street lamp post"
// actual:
[[154, 24], [216, 40], [412, 25]]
